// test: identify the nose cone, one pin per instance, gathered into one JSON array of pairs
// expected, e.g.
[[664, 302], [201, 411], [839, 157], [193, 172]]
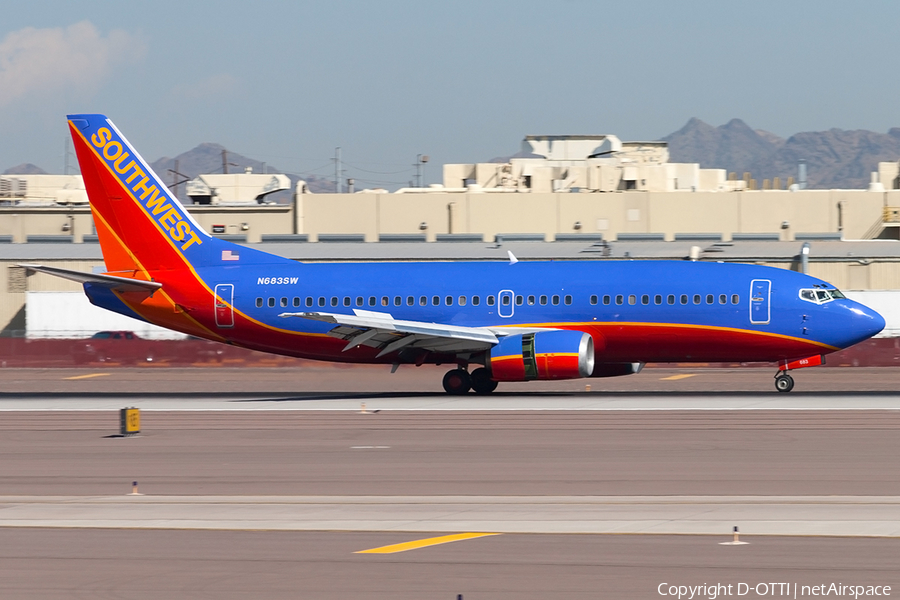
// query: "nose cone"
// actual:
[[864, 323]]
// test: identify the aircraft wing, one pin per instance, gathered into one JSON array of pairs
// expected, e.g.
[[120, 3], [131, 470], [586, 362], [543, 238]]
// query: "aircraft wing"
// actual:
[[381, 330], [113, 282]]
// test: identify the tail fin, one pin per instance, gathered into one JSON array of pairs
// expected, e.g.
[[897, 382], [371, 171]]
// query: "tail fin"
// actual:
[[141, 226]]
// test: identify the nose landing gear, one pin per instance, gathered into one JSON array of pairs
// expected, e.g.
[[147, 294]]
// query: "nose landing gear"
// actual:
[[784, 382]]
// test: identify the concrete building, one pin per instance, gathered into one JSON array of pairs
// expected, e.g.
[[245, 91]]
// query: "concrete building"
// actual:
[[564, 198]]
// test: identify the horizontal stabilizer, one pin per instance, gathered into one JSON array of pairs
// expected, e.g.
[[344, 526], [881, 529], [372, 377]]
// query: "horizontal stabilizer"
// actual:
[[113, 282]]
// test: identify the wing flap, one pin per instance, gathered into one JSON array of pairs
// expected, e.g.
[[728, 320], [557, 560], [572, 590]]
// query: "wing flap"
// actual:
[[381, 330]]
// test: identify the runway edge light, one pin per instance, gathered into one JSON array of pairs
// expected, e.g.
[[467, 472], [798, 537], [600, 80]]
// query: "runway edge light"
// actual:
[[129, 421]]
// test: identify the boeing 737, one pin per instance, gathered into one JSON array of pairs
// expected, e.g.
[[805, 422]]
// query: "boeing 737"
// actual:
[[506, 321]]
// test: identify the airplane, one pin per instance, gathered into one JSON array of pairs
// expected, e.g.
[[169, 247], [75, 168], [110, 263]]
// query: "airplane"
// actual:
[[511, 320]]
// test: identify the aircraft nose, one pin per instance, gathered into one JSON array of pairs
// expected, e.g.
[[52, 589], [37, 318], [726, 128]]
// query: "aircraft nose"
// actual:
[[866, 322], [877, 322]]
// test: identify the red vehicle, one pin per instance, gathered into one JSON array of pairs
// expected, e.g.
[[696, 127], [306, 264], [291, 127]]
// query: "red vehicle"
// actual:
[[115, 346]]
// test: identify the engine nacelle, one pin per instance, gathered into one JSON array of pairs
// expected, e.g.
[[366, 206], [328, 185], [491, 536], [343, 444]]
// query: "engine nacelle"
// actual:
[[542, 355]]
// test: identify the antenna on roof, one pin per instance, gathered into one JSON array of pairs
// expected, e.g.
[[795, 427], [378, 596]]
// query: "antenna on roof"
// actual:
[[512, 257]]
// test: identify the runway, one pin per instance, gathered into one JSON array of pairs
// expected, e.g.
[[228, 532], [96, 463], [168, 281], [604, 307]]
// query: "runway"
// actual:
[[854, 516], [594, 494]]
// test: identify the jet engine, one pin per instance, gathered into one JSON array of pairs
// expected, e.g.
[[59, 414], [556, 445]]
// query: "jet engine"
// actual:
[[542, 355]]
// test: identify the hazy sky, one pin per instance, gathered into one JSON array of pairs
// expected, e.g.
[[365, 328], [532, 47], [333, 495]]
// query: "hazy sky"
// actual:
[[462, 81]]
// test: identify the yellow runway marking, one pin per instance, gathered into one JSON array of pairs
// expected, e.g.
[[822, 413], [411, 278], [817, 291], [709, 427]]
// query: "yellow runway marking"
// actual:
[[415, 545], [677, 377], [88, 376]]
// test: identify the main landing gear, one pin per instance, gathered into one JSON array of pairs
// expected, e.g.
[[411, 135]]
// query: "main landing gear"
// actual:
[[459, 381]]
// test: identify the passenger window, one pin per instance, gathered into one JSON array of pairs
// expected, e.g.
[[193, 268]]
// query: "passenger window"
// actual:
[[657, 299], [531, 300], [645, 299], [606, 299], [359, 300], [334, 301], [568, 300], [448, 300], [520, 300], [398, 300], [723, 299], [309, 301], [321, 301], [346, 300], [385, 301], [476, 300], [436, 300], [271, 302], [490, 300], [670, 299], [619, 299], [710, 299], [423, 301], [296, 301], [410, 301], [543, 300], [632, 299], [462, 300], [684, 299], [697, 298], [284, 301], [372, 301], [259, 302], [735, 299], [504, 300], [554, 300], [593, 299]]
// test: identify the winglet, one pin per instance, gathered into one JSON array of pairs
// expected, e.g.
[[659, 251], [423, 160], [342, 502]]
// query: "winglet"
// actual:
[[512, 257]]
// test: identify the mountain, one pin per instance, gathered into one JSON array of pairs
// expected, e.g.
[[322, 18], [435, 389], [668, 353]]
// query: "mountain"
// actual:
[[25, 169], [835, 158], [212, 158]]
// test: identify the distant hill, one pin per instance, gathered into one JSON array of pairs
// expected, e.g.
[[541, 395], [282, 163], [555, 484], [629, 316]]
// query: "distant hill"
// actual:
[[835, 158], [208, 158], [26, 169]]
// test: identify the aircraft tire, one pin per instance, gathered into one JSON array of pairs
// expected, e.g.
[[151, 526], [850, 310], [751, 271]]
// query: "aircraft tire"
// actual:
[[457, 382], [784, 383], [482, 382]]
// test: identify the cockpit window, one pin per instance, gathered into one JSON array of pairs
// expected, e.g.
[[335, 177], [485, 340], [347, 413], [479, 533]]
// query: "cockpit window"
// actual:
[[820, 296]]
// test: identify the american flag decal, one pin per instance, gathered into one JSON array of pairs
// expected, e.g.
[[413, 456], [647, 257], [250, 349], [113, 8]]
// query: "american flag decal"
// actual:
[[229, 255]]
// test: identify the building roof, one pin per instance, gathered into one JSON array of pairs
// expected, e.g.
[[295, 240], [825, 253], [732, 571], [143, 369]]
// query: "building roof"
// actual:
[[738, 251]]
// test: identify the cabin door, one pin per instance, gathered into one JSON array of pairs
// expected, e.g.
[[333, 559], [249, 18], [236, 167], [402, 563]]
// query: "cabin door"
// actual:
[[760, 301], [224, 305]]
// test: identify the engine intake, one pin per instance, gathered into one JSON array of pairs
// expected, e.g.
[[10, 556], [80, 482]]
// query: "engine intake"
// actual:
[[542, 355]]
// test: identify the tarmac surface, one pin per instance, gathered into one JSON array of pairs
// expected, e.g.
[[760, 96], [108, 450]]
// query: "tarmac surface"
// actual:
[[268, 482]]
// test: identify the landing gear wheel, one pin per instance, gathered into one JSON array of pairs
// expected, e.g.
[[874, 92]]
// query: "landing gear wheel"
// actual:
[[482, 382], [784, 383], [457, 382]]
